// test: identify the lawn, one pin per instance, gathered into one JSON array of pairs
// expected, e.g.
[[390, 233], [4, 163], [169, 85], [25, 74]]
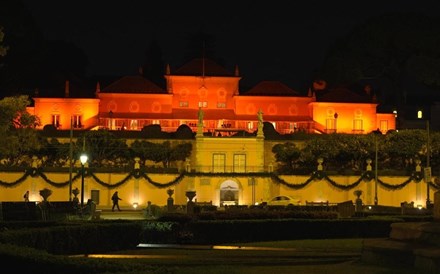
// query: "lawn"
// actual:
[[299, 256]]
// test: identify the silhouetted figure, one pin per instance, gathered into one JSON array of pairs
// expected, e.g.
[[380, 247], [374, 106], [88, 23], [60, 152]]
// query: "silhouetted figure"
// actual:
[[115, 199], [90, 207], [26, 196]]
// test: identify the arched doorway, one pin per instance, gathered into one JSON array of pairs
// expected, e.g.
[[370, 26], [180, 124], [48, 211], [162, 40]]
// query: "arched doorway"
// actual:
[[229, 193]]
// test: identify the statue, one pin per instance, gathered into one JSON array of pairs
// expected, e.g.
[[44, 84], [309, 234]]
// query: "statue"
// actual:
[[200, 115], [260, 116]]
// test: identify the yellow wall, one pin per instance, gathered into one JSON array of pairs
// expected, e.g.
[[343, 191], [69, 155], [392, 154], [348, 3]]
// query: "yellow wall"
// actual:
[[253, 148], [208, 187]]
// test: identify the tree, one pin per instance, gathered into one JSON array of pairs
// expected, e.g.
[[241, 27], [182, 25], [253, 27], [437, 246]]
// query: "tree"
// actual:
[[104, 149], [180, 152], [201, 45], [3, 48], [287, 155], [163, 153], [147, 151], [18, 138], [403, 147], [22, 67], [154, 66], [390, 52], [53, 152]]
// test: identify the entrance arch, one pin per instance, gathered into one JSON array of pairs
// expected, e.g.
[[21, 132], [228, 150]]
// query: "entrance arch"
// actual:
[[229, 193]]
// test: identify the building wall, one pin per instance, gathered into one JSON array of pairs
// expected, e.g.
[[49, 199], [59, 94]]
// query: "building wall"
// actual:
[[349, 118], [195, 89], [251, 148], [208, 189], [45, 108]]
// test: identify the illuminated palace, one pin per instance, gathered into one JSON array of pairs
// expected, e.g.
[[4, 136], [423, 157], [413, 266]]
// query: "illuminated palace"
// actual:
[[207, 98], [133, 102]]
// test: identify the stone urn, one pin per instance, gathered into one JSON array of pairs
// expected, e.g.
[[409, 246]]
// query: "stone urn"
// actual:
[[170, 193], [170, 200], [45, 193], [44, 205], [75, 193], [358, 203], [190, 194]]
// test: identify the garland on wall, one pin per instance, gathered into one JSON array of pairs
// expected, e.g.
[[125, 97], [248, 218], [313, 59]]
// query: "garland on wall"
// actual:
[[138, 174], [366, 176]]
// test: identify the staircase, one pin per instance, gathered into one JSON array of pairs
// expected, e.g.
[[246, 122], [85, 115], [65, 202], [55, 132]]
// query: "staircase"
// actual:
[[415, 245]]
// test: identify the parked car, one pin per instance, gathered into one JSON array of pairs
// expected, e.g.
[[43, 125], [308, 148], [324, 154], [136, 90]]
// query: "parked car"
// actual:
[[283, 200]]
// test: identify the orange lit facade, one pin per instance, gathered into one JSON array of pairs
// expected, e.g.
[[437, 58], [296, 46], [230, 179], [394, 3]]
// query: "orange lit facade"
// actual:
[[207, 98], [134, 102]]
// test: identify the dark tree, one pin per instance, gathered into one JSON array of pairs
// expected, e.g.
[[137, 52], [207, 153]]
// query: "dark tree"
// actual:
[[201, 45], [394, 53], [154, 66], [22, 66]]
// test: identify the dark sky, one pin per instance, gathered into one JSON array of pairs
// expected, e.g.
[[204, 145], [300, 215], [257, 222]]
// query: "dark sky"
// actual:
[[268, 40]]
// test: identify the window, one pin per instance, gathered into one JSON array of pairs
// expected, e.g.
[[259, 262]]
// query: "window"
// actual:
[[76, 121], [155, 122], [357, 125], [183, 104], [250, 125], [111, 123], [221, 105], [239, 162], [293, 127], [383, 125], [203, 104], [56, 120], [330, 125], [133, 124], [218, 162]]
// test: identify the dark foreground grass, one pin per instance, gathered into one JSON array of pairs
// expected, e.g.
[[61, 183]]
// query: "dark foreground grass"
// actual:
[[332, 256]]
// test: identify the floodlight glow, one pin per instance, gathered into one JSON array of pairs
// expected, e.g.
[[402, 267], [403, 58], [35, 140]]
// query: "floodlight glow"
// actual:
[[83, 158]]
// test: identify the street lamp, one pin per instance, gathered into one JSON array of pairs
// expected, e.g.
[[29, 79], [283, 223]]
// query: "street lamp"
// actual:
[[83, 158], [376, 132], [376, 200], [428, 168]]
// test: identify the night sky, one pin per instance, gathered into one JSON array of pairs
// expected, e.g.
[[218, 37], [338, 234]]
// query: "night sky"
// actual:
[[268, 40]]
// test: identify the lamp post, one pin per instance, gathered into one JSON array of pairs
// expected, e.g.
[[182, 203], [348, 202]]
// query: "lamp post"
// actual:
[[428, 168], [253, 190], [376, 200], [83, 158]]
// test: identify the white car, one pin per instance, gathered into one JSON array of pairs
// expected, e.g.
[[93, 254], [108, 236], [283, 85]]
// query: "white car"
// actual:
[[283, 200]]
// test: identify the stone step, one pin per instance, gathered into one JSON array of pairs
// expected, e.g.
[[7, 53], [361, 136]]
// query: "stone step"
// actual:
[[417, 232], [413, 245]]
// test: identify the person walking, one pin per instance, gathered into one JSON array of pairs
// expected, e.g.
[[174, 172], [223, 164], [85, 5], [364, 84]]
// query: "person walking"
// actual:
[[115, 199], [26, 196]]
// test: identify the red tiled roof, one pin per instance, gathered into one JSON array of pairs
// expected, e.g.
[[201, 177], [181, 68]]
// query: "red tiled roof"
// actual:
[[133, 84], [271, 88], [200, 67], [342, 95]]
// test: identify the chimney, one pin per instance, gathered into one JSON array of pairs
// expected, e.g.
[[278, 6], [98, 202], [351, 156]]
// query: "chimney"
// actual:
[[237, 71], [66, 90], [98, 89]]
